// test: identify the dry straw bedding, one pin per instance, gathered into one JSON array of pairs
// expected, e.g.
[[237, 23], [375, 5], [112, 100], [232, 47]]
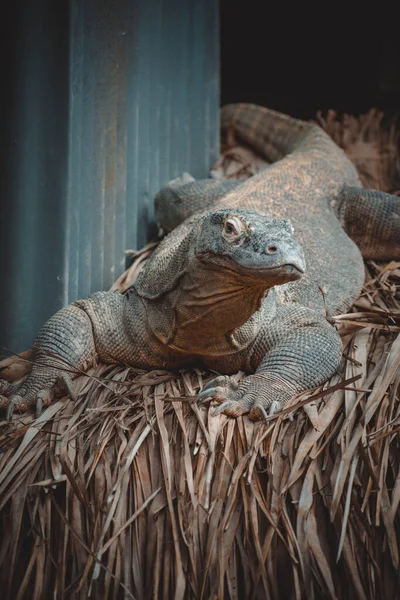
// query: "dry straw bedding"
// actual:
[[135, 491]]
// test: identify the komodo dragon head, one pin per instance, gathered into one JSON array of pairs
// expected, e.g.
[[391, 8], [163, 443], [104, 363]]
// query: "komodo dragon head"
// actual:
[[212, 274], [256, 247]]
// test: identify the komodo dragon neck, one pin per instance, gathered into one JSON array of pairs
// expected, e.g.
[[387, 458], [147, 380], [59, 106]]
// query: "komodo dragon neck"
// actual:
[[211, 313]]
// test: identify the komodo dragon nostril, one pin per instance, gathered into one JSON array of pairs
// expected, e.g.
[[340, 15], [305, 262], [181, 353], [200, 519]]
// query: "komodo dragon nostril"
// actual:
[[272, 249]]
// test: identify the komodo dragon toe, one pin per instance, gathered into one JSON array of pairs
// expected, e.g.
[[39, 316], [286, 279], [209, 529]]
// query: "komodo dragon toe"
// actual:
[[19, 398], [255, 395]]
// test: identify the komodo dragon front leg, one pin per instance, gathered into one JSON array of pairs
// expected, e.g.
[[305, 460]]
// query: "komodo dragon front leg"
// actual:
[[107, 326], [64, 344], [297, 350]]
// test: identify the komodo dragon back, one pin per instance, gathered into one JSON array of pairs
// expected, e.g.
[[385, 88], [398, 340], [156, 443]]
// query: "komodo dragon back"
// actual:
[[304, 184]]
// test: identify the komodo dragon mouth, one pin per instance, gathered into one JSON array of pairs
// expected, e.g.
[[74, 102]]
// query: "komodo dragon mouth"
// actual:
[[274, 274]]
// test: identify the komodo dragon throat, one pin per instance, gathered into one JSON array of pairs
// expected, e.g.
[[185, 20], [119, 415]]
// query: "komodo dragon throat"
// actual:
[[228, 288]]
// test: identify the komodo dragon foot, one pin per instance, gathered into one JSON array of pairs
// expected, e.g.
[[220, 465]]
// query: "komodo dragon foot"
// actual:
[[47, 383], [63, 347], [251, 395]]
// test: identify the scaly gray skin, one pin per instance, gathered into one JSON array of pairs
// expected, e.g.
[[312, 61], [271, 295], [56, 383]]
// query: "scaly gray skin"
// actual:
[[226, 288]]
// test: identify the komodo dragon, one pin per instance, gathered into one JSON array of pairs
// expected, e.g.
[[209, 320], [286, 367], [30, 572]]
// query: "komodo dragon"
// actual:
[[228, 288]]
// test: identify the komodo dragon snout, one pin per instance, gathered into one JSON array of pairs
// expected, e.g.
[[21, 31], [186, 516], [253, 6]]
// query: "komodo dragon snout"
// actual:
[[256, 246]]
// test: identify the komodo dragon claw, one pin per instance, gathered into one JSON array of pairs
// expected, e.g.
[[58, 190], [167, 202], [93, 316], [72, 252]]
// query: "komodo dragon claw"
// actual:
[[22, 403], [239, 398], [16, 400]]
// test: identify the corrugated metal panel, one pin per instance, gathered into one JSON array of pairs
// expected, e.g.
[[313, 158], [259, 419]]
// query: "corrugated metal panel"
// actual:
[[137, 106], [34, 169]]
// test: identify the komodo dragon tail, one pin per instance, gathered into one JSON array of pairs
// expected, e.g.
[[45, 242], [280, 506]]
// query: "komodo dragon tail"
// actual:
[[266, 131], [274, 135]]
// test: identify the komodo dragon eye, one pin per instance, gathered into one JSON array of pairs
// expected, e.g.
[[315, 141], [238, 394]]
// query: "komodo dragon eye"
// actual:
[[233, 229]]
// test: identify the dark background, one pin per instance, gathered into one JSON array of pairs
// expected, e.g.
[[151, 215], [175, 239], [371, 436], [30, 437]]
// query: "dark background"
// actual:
[[300, 61]]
